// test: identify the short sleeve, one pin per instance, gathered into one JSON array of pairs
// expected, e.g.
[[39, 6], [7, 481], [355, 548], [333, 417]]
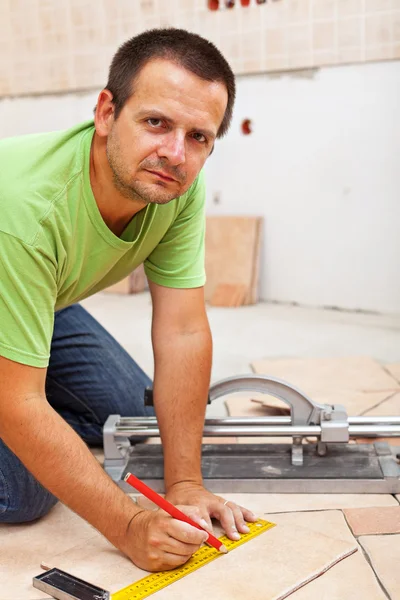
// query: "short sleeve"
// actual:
[[178, 259], [28, 290]]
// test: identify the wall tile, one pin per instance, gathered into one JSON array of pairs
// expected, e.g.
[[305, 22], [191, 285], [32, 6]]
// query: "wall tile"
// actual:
[[274, 15], [383, 52], [377, 5], [251, 46], [347, 8], [298, 38], [378, 29], [298, 10], [396, 26], [275, 41], [349, 32], [349, 54], [325, 57], [324, 9], [324, 35], [276, 35], [300, 61], [276, 62]]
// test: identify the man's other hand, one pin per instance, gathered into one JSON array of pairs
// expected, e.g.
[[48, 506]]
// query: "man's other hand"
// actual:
[[231, 516]]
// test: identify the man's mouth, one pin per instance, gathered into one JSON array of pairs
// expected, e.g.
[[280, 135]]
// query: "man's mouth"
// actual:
[[161, 175]]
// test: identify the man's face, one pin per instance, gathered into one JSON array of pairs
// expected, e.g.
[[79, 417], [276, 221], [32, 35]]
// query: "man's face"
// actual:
[[165, 132]]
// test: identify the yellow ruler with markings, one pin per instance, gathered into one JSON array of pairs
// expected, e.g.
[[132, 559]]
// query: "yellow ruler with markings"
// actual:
[[157, 581]]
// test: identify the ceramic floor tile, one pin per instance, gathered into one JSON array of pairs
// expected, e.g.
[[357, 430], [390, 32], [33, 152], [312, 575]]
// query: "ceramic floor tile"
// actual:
[[262, 504], [393, 441], [293, 553], [356, 403], [23, 547], [343, 579], [322, 375], [394, 370], [346, 579], [98, 453], [242, 405], [64, 532], [390, 407], [384, 554], [373, 520]]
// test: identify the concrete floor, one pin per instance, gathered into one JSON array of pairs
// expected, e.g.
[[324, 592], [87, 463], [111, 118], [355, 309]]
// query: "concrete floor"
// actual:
[[248, 333]]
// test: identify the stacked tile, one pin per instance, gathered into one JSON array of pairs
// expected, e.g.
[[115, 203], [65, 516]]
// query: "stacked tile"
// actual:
[[232, 260]]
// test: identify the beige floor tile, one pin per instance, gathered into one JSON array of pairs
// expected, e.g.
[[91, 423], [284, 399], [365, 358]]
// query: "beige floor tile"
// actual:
[[329, 522], [350, 578], [394, 370], [390, 407], [384, 554], [398, 498], [63, 532], [242, 405], [356, 403], [307, 552], [23, 547], [98, 453], [373, 520], [322, 375], [262, 504]]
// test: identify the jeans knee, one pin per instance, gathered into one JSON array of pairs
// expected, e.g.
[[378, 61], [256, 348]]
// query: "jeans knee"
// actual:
[[21, 503]]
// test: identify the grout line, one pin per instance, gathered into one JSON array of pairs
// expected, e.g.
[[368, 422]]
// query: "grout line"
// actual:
[[384, 367], [380, 583], [391, 395]]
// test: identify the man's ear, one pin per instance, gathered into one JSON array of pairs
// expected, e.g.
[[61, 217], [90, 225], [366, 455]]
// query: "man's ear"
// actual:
[[104, 113]]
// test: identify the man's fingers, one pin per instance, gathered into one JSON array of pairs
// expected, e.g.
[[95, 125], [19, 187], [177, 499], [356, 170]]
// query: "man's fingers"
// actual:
[[248, 515], [233, 519], [200, 517], [183, 532], [240, 523]]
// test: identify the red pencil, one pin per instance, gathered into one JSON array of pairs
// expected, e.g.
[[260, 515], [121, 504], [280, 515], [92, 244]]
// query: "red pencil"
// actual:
[[171, 509]]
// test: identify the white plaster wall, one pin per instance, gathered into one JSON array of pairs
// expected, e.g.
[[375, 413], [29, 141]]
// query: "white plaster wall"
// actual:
[[322, 166]]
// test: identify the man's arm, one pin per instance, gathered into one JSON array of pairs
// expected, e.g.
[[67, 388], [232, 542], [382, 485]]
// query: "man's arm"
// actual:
[[182, 354], [62, 463], [182, 348]]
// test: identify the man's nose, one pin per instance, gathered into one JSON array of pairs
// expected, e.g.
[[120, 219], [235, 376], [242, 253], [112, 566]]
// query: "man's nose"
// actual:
[[173, 148]]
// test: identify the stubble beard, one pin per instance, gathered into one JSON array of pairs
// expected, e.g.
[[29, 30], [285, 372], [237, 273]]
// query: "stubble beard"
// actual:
[[135, 190]]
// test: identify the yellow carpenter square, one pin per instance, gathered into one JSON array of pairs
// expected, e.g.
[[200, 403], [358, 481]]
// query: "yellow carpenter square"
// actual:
[[157, 581]]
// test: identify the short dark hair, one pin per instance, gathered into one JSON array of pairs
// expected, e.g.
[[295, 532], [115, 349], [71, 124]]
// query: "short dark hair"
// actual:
[[189, 50]]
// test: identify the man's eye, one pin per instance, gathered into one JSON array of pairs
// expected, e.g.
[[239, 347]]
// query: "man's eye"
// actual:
[[199, 137], [154, 122]]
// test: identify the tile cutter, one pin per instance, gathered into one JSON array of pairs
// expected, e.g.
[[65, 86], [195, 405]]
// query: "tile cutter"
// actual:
[[329, 465]]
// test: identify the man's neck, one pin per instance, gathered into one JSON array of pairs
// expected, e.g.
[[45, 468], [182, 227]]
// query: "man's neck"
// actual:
[[114, 207]]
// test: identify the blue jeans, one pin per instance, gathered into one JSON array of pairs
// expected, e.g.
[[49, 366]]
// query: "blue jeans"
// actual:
[[89, 377]]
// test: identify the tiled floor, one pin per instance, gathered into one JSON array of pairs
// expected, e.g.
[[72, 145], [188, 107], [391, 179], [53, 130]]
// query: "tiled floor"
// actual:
[[312, 531]]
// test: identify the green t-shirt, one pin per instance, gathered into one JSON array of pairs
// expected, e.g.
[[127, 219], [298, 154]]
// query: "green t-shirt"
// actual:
[[55, 248]]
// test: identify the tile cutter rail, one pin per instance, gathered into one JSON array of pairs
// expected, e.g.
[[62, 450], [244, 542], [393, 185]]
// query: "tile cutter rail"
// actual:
[[328, 465]]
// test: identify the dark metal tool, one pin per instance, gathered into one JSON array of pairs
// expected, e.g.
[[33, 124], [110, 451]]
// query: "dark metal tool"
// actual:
[[64, 586]]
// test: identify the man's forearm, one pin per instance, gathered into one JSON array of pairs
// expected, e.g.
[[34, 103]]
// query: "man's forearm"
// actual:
[[181, 384], [62, 463]]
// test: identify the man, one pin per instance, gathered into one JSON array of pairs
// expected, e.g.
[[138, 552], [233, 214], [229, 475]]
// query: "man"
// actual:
[[79, 210]]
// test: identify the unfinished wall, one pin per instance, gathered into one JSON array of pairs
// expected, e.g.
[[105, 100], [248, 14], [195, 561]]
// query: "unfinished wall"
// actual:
[[49, 46], [320, 163]]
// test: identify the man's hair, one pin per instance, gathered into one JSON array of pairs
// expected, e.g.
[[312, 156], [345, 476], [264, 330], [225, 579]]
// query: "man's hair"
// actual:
[[184, 48]]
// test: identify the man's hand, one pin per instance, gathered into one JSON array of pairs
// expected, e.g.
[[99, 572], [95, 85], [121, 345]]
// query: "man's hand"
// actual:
[[231, 516], [157, 542]]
